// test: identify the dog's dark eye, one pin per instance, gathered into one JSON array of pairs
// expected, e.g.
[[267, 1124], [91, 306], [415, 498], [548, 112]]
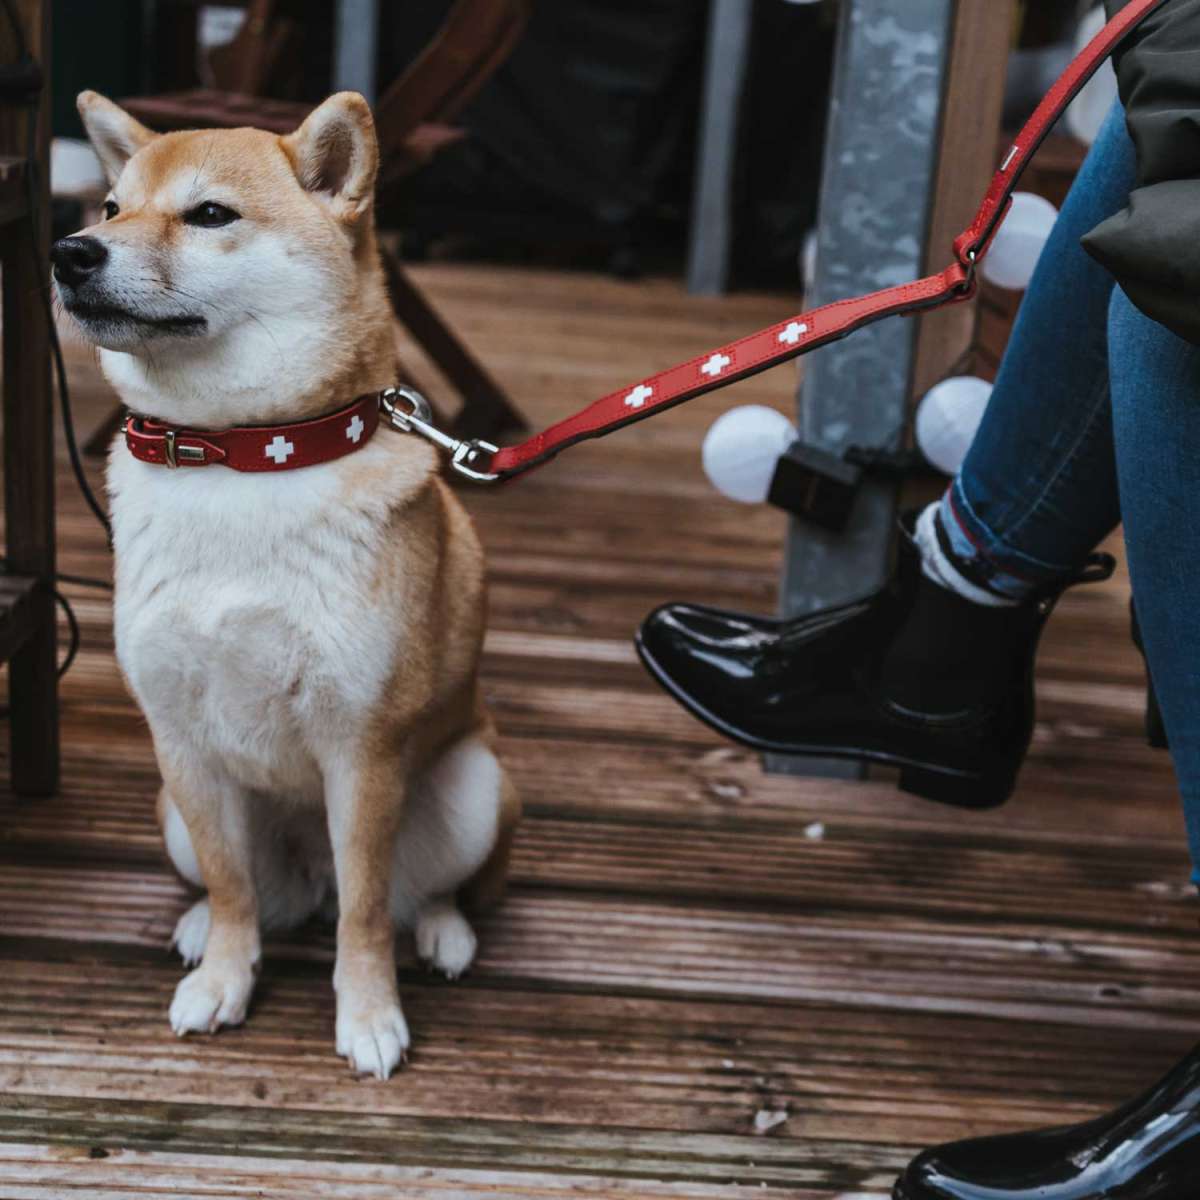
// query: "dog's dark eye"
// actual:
[[210, 215], [110, 209]]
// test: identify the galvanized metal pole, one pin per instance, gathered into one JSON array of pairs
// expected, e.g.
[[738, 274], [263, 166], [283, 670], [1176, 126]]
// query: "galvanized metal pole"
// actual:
[[877, 196], [355, 46], [712, 216]]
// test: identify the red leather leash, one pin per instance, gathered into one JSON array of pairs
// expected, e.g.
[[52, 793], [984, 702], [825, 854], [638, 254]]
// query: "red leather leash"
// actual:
[[807, 331], [306, 443]]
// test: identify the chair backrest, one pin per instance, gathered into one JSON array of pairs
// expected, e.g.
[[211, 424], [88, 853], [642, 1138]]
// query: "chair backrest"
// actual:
[[477, 36], [244, 65]]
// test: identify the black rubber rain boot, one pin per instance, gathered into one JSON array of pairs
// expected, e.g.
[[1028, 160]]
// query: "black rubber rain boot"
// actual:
[[1148, 1150], [913, 676], [1156, 731]]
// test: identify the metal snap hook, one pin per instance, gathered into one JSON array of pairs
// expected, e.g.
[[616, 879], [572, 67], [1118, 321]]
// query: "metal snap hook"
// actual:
[[466, 457]]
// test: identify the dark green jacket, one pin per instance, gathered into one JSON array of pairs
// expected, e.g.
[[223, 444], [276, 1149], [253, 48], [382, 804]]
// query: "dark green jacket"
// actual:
[[1152, 246]]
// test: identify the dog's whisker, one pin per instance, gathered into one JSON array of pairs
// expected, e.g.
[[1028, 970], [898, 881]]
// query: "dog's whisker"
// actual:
[[263, 326], [178, 291]]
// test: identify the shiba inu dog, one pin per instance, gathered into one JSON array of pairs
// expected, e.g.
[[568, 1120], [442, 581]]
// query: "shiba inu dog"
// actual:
[[304, 643]]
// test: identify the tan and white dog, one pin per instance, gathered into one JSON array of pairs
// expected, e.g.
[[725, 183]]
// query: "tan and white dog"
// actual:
[[304, 644]]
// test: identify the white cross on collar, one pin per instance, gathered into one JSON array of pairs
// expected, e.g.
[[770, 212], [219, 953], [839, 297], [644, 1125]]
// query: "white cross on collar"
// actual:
[[715, 365], [639, 396], [280, 449], [354, 430]]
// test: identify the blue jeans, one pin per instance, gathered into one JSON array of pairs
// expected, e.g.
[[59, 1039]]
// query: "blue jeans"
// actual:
[[1095, 419]]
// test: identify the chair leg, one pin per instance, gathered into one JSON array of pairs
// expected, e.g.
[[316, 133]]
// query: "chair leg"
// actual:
[[29, 507], [33, 708], [487, 410], [97, 445]]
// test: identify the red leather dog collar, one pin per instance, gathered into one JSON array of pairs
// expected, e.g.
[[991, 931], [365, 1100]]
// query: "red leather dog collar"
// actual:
[[256, 447]]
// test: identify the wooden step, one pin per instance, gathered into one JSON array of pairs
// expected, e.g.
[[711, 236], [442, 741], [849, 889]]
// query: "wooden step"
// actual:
[[20, 610]]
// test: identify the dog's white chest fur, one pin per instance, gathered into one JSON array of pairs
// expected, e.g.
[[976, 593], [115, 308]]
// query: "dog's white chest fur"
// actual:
[[241, 619]]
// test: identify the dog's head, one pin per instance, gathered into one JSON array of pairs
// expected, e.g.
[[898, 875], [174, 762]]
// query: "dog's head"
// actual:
[[230, 250]]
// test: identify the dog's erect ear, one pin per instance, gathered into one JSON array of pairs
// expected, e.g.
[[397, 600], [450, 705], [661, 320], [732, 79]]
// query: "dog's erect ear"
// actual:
[[335, 154], [115, 135]]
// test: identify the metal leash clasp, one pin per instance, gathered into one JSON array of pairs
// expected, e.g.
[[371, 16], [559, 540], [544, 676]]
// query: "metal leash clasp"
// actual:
[[970, 264], [466, 456]]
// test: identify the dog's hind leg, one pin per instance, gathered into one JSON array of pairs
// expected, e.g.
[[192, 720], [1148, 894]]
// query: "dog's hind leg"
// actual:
[[485, 888], [445, 941], [291, 873], [455, 842]]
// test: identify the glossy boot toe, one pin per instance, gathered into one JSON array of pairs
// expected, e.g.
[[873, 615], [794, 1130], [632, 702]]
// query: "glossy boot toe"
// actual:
[[751, 677], [1148, 1150]]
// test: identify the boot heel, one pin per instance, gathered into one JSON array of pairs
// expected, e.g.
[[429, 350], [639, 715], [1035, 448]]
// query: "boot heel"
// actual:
[[968, 792], [1156, 731]]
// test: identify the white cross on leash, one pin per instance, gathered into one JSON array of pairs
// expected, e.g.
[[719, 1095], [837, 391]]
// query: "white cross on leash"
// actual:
[[792, 334], [355, 429], [715, 365], [280, 449], [639, 396]]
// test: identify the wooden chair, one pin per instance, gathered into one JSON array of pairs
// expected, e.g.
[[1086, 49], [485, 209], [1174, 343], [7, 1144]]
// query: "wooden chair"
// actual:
[[414, 121], [28, 617]]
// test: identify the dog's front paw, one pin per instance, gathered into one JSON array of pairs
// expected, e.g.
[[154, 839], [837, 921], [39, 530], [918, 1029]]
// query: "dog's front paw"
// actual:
[[210, 997], [191, 933], [445, 941], [374, 1037]]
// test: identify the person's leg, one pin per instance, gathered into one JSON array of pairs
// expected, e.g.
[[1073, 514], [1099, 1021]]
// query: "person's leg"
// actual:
[[1038, 490], [1150, 1148], [1156, 412]]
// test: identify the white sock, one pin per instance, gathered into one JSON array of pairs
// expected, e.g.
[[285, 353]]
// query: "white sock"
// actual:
[[937, 566]]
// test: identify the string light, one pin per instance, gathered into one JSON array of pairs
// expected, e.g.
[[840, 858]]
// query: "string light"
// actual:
[[1020, 241], [948, 419], [741, 450]]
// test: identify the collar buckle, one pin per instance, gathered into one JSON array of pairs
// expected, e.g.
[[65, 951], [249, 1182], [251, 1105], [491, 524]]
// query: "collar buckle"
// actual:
[[174, 453]]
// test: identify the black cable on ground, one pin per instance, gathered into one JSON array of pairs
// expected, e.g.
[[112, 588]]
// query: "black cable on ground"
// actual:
[[73, 626], [84, 581], [64, 394], [34, 191]]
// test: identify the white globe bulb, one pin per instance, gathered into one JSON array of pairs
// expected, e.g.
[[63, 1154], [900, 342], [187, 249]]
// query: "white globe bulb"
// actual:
[[74, 169], [1018, 245], [1090, 108], [742, 448], [948, 419]]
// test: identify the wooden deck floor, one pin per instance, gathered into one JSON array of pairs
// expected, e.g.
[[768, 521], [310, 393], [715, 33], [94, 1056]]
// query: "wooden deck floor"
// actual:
[[691, 951]]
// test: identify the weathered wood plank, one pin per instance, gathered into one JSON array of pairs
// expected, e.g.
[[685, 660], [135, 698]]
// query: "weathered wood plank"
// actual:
[[135, 1166], [630, 946], [79, 1027], [819, 867]]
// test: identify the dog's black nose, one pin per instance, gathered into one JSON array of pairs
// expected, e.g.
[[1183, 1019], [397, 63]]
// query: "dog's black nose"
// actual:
[[75, 258]]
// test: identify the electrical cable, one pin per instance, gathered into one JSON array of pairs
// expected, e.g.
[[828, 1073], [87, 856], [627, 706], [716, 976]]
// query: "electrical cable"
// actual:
[[34, 191], [73, 626], [83, 581], [64, 394]]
